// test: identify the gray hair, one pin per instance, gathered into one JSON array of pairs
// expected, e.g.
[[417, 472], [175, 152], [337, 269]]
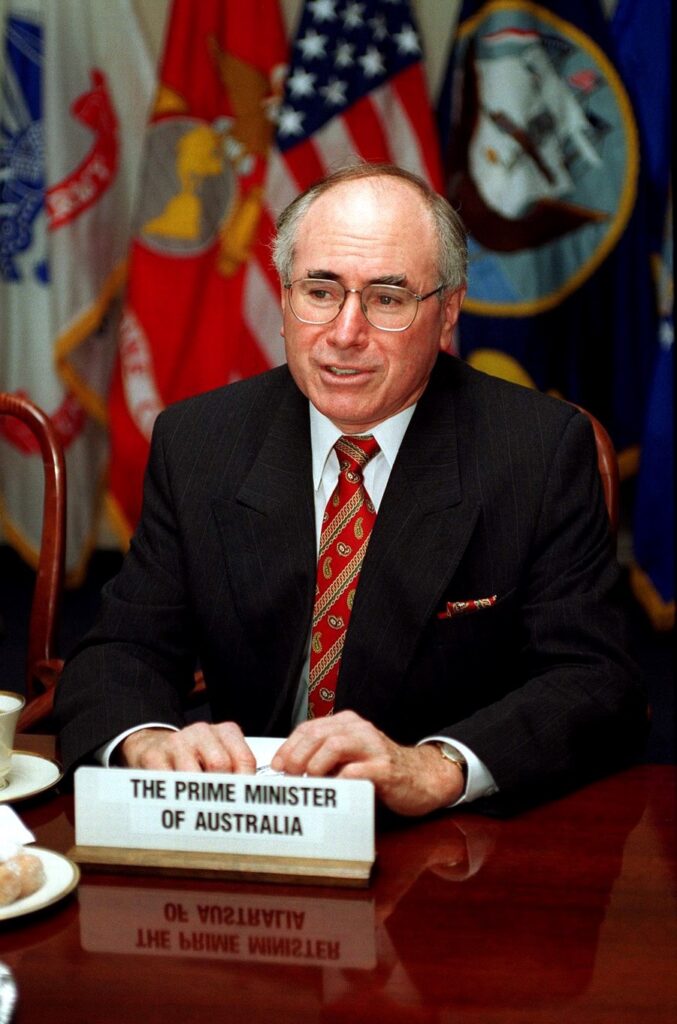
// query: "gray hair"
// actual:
[[452, 258]]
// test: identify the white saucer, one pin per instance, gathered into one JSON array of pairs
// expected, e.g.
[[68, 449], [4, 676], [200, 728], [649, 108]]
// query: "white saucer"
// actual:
[[30, 774], [62, 877]]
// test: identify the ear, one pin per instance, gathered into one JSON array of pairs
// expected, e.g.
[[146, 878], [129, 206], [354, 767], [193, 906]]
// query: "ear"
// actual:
[[283, 304], [451, 311]]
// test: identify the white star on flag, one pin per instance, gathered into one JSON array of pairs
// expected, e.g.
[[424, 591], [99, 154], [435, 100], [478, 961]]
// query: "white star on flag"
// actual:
[[334, 92], [666, 334], [290, 121], [378, 27], [301, 83], [312, 44], [407, 41], [372, 62], [343, 55], [352, 17], [323, 10]]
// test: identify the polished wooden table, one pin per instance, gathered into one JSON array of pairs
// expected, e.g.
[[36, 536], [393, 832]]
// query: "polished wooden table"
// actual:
[[565, 913]]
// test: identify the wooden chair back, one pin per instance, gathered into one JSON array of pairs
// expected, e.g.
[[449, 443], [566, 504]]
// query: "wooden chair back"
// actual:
[[42, 664]]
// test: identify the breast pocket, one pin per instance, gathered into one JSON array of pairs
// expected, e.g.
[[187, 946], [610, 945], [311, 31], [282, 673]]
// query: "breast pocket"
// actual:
[[478, 649]]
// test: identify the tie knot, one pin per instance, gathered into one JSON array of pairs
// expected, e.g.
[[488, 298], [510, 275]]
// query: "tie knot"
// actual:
[[356, 451]]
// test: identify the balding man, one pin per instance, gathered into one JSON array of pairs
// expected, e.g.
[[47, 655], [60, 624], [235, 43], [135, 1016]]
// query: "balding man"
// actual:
[[398, 563]]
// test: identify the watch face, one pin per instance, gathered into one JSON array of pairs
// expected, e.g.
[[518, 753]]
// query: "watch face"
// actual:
[[451, 754]]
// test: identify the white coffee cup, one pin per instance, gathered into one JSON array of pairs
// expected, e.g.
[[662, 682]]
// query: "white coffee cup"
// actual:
[[10, 709]]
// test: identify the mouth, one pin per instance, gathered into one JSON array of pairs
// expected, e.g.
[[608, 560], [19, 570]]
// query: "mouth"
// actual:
[[343, 371]]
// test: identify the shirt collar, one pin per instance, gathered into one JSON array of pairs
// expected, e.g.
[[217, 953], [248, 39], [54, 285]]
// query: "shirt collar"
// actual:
[[324, 434]]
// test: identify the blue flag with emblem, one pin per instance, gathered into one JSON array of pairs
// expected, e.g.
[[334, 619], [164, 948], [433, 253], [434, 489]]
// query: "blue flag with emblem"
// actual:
[[652, 573], [643, 45], [541, 157]]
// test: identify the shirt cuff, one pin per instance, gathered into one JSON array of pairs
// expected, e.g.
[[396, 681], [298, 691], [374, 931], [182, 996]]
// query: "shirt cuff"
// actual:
[[479, 782], [104, 753]]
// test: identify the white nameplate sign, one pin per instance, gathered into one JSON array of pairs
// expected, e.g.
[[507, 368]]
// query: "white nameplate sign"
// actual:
[[265, 823]]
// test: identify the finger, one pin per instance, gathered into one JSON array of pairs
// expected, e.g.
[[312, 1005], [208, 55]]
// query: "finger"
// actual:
[[196, 748], [162, 755], [232, 744], [212, 748], [179, 751], [334, 753], [292, 755], [327, 747], [144, 749], [292, 758], [184, 758], [307, 741]]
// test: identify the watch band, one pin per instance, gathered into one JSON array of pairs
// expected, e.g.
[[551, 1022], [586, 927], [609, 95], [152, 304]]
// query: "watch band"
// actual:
[[450, 753]]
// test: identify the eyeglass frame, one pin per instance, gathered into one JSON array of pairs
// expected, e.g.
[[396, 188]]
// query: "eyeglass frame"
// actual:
[[358, 291]]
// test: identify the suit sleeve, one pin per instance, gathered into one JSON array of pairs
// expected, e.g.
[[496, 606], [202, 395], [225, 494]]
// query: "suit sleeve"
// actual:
[[138, 660], [580, 709]]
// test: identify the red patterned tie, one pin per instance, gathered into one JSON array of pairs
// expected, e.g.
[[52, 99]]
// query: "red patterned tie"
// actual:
[[346, 528]]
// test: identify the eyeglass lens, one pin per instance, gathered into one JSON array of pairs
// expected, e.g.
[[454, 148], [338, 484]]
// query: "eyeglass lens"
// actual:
[[386, 306]]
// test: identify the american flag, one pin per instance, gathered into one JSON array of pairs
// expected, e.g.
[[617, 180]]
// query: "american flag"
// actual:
[[355, 89]]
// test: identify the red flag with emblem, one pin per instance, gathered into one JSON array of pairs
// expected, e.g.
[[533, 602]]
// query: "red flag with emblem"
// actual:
[[196, 226]]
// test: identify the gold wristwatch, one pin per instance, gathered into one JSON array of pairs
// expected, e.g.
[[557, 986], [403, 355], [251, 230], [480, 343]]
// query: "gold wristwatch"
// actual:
[[450, 753]]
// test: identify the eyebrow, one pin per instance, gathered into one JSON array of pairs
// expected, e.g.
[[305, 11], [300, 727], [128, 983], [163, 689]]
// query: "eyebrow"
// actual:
[[328, 275]]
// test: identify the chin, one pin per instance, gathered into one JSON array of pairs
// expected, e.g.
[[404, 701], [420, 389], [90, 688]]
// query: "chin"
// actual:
[[345, 416]]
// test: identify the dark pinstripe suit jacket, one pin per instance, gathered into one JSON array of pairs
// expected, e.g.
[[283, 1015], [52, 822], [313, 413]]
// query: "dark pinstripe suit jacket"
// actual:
[[495, 491]]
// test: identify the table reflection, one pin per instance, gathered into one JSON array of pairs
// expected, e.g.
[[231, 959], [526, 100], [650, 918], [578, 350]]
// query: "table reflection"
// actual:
[[260, 927]]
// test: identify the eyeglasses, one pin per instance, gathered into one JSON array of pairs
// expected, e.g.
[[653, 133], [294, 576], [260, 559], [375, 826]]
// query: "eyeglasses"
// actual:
[[386, 306]]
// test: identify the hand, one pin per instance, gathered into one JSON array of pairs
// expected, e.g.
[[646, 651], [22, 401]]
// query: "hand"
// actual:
[[408, 780], [197, 748]]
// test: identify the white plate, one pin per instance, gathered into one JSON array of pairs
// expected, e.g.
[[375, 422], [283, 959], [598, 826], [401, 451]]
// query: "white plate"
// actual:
[[62, 877], [30, 774]]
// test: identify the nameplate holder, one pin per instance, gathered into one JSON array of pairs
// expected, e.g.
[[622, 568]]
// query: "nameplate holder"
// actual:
[[214, 825]]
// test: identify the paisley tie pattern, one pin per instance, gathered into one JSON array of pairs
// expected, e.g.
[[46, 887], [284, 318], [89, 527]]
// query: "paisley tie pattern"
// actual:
[[346, 528]]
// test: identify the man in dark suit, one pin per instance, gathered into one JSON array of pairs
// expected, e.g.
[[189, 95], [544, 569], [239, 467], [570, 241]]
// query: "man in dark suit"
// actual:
[[484, 650]]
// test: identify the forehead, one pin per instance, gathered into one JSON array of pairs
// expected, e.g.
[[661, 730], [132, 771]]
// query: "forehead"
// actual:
[[366, 225]]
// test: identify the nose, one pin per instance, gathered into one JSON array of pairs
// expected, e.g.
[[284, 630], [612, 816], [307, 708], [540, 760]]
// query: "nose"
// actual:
[[350, 327]]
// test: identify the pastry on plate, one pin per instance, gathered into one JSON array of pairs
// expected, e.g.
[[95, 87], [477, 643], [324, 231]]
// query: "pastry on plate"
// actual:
[[21, 873]]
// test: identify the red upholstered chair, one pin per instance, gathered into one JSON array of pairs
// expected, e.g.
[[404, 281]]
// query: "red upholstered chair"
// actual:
[[608, 468], [42, 664]]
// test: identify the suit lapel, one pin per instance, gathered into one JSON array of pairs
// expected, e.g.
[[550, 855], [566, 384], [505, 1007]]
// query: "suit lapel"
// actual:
[[268, 532], [422, 529]]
